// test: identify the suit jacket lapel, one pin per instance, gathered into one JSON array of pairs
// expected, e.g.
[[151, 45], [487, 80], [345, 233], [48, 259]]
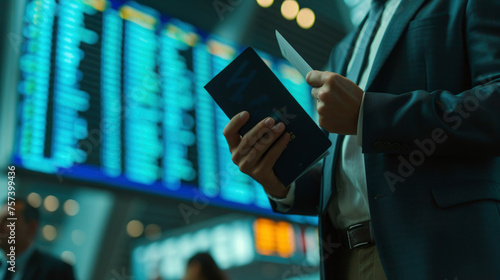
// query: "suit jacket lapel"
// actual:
[[398, 24], [344, 50], [339, 62]]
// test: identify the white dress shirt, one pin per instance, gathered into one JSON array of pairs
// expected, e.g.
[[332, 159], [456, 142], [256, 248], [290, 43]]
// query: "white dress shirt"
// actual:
[[350, 205]]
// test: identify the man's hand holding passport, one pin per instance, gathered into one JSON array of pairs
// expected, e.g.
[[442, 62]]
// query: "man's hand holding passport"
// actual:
[[270, 136]]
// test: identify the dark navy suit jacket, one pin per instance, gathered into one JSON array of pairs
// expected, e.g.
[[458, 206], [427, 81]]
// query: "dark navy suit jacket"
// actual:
[[431, 144]]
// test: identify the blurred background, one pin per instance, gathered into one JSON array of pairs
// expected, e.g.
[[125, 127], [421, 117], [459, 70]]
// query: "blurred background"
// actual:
[[114, 139]]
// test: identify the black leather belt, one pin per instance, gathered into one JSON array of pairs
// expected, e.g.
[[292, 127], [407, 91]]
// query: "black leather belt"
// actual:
[[358, 236]]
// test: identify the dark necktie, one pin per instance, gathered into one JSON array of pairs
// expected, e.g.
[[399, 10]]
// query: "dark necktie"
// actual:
[[358, 65], [372, 25]]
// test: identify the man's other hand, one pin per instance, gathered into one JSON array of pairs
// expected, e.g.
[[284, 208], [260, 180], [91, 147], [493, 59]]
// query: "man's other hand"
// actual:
[[338, 101]]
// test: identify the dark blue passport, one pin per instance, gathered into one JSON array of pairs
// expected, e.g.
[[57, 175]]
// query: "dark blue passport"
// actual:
[[248, 84]]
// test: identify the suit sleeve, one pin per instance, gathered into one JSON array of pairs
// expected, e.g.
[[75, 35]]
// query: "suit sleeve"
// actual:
[[307, 193], [443, 122]]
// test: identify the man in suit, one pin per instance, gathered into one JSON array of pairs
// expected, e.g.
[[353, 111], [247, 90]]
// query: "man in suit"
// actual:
[[30, 263], [412, 106]]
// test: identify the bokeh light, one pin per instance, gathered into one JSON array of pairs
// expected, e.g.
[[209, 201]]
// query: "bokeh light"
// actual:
[[135, 228], [69, 257], [49, 232], [306, 18], [34, 199], [265, 3], [51, 203], [71, 207], [289, 9], [152, 231]]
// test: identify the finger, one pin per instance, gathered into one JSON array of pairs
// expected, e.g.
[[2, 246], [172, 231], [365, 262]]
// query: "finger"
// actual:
[[315, 78], [275, 152], [231, 131], [314, 93], [265, 141], [250, 139]]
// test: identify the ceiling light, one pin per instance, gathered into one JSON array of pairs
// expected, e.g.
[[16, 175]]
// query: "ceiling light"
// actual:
[[265, 3], [306, 18], [289, 9]]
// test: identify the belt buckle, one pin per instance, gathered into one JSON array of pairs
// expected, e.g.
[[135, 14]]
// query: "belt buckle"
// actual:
[[349, 237]]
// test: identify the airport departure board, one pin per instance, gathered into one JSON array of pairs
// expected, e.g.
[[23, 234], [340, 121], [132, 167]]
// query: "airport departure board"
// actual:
[[112, 92]]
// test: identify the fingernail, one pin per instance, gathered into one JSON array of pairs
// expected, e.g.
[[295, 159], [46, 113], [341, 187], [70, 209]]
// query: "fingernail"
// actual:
[[279, 127], [269, 122], [243, 115]]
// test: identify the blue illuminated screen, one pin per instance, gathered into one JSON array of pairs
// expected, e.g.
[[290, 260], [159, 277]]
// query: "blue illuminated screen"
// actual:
[[112, 92]]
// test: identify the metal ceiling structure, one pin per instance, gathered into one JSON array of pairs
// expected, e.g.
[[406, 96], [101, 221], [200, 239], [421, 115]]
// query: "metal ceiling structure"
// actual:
[[248, 24]]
